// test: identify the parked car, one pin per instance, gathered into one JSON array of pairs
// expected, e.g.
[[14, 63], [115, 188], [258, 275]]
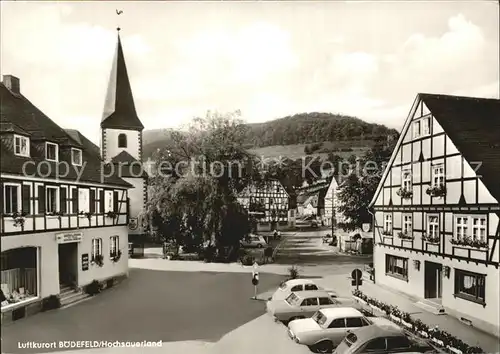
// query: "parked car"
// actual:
[[253, 241], [326, 329], [304, 304], [307, 222], [382, 339], [296, 285]]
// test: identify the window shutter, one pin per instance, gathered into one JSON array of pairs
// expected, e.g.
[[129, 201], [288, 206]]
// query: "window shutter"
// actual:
[[115, 202], [101, 201], [26, 199], [1, 198], [41, 199], [74, 198], [62, 200], [92, 201]]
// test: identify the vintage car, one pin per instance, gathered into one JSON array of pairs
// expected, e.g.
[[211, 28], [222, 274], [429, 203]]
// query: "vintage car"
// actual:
[[327, 328], [307, 222], [296, 285], [253, 241], [304, 304], [382, 339]]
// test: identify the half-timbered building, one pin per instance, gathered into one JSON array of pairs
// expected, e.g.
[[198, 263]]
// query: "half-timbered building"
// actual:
[[64, 218], [271, 199], [437, 209]]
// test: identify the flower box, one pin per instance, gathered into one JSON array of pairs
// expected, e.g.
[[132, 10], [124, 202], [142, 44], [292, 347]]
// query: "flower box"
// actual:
[[406, 324], [437, 341], [375, 307], [360, 300], [454, 350], [424, 334], [395, 318]]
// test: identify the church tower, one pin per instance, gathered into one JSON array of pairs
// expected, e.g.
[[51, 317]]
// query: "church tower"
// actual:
[[121, 139]]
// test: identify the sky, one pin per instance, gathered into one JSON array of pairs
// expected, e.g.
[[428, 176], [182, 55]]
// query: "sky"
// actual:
[[267, 59]]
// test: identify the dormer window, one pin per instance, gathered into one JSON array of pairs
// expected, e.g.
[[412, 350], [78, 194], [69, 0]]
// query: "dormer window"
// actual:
[[122, 140], [76, 157], [21, 146], [421, 127], [51, 152]]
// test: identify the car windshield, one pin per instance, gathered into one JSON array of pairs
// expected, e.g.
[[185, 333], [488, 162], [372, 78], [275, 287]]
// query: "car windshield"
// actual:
[[319, 318], [292, 299]]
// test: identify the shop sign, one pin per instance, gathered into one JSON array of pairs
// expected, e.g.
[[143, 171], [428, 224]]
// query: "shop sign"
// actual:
[[69, 237], [85, 261], [132, 224]]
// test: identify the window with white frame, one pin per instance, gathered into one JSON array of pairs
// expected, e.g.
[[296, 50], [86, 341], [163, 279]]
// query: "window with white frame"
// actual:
[[406, 180], [407, 224], [438, 175], [388, 223], [108, 201], [52, 199], [114, 245], [21, 145], [84, 200], [11, 198], [76, 157], [421, 127], [426, 126], [417, 129], [51, 151], [433, 226], [96, 247], [461, 227], [479, 228]]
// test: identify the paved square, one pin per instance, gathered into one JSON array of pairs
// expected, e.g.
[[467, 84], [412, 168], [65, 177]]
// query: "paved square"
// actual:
[[150, 305]]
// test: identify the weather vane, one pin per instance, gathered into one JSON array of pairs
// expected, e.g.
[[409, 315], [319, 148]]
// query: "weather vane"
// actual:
[[118, 12]]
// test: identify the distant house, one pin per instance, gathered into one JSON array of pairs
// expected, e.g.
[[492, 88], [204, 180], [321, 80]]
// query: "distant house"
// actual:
[[437, 209], [332, 202], [269, 202]]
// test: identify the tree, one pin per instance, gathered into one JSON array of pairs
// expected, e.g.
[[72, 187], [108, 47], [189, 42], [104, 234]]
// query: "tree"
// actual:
[[357, 191], [196, 200]]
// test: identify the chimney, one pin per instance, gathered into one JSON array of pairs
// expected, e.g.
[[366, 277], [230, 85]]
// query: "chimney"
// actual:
[[12, 83]]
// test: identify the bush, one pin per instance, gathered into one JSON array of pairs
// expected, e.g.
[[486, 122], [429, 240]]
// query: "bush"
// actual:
[[293, 272], [51, 303], [110, 283], [93, 288], [247, 260], [209, 254]]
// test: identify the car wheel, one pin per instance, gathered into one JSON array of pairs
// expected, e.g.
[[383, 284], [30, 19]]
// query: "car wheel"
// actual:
[[259, 245], [323, 347]]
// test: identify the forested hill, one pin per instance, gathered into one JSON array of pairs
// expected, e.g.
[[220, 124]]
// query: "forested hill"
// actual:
[[307, 128], [303, 128]]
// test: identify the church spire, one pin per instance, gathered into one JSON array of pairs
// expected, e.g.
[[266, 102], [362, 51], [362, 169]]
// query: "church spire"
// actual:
[[119, 108]]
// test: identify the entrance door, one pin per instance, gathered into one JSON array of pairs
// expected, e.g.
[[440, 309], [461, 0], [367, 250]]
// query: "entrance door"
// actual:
[[439, 281], [68, 263], [433, 280]]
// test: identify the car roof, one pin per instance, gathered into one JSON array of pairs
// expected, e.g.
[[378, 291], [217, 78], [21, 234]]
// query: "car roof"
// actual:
[[340, 312], [294, 282], [372, 332], [312, 293]]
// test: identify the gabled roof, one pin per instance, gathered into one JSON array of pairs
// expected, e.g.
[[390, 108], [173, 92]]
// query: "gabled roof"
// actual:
[[119, 108], [123, 157], [16, 110], [128, 166], [473, 125]]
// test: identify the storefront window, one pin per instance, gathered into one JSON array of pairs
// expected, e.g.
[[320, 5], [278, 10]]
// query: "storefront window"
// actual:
[[18, 275]]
